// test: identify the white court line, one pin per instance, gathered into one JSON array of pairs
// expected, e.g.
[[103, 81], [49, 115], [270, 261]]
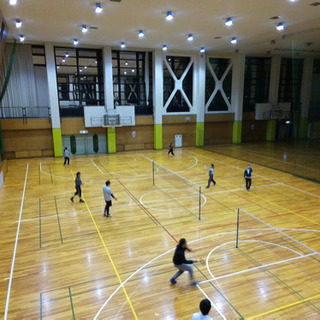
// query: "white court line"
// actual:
[[96, 166], [16, 245], [241, 189], [258, 175], [192, 241], [222, 315], [300, 256]]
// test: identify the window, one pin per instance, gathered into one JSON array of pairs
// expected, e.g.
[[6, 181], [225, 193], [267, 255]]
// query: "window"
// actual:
[[182, 99], [256, 82], [222, 99], [38, 56], [314, 110], [132, 80], [80, 79], [290, 82]]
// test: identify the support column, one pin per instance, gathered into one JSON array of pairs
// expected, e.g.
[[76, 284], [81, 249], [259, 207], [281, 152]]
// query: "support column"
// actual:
[[53, 100], [157, 98], [200, 70], [108, 96], [305, 96], [273, 95], [239, 63]]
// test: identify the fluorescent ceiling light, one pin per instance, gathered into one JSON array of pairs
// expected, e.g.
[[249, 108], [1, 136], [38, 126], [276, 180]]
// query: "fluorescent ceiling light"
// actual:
[[169, 16]]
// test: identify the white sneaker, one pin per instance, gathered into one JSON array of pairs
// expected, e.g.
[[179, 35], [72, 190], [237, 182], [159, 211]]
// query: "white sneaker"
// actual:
[[109, 215]]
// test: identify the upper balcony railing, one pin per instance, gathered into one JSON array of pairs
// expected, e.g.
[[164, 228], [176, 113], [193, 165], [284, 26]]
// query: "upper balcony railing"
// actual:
[[25, 112]]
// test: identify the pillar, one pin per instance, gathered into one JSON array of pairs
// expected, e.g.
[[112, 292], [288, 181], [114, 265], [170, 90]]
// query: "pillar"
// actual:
[[112, 144], [157, 98], [237, 95], [305, 96], [200, 86], [273, 95], [53, 100]]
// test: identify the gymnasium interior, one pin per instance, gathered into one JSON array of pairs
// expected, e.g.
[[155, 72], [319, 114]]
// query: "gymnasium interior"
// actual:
[[108, 85]]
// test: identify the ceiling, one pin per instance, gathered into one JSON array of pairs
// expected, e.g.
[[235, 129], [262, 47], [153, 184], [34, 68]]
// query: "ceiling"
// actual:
[[60, 21]]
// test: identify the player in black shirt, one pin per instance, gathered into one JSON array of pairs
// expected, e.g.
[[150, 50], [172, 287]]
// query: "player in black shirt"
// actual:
[[170, 149], [181, 263]]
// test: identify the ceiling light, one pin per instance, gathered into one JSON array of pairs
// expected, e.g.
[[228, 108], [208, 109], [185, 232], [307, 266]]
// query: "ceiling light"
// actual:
[[126, 63], [169, 16], [22, 38], [18, 24], [98, 8], [85, 67], [58, 67], [122, 45], [96, 61], [141, 34], [280, 26], [125, 72], [84, 29], [229, 22], [12, 2], [164, 47], [66, 55], [190, 37], [234, 40], [63, 60], [75, 42], [80, 69], [132, 70], [203, 50]]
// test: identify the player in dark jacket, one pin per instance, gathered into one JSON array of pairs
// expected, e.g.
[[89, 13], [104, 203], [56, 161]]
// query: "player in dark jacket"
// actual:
[[247, 177], [78, 184], [181, 263]]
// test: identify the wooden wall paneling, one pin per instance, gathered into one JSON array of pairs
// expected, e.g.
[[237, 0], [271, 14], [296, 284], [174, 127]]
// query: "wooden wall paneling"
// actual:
[[218, 132], [187, 130], [254, 130]]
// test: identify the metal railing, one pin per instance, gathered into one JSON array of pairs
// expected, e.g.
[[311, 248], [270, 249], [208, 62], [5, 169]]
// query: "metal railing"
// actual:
[[25, 112]]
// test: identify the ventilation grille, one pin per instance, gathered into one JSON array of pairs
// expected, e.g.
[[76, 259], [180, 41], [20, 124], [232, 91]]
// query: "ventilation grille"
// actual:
[[315, 4]]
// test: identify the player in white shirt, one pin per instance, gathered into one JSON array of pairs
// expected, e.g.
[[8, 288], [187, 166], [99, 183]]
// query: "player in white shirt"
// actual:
[[205, 307], [107, 197]]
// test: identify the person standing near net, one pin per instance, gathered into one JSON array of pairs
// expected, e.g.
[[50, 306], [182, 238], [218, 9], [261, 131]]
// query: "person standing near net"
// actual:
[[78, 183], [66, 156], [247, 177], [181, 263], [107, 197], [205, 307], [170, 149], [211, 174]]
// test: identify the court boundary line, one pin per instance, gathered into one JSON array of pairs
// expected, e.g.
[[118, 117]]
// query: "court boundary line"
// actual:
[[16, 244], [110, 258], [192, 241]]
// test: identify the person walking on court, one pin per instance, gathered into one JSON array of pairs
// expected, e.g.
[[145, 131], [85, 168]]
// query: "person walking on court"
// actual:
[[247, 177], [205, 307], [66, 156], [181, 263], [211, 173], [170, 149], [78, 183], [107, 197]]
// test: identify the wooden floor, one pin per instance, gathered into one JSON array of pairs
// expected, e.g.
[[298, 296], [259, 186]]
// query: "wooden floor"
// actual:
[[73, 263]]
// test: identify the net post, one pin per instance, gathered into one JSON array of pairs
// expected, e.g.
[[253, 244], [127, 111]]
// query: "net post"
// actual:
[[153, 172], [199, 203], [238, 222]]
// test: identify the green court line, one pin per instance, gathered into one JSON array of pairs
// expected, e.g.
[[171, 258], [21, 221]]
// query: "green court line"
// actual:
[[281, 281], [55, 201], [40, 221], [266, 166], [50, 174], [70, 295]]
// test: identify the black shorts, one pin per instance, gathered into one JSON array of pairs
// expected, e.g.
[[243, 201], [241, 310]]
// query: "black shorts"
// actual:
[[109, 203]]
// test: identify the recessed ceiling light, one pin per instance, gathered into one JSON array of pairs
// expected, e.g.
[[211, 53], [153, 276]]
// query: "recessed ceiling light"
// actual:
[[169, 16], [80, 69], [190, 37], [132, 70], [84, 29], [98, 8], [203, 50], [18, 23], [22, 38], [85, 67], [66, 55], [126, 63], [164, 47], [12, 2], [75, 42], [234, 40], [141, 34], [281, 26], [96, 61], [58, 67], [122, 45], [63, 60], [229, 22], [125, 72]]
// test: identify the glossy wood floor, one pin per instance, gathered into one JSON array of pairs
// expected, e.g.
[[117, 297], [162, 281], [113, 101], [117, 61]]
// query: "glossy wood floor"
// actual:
[[73, 263]]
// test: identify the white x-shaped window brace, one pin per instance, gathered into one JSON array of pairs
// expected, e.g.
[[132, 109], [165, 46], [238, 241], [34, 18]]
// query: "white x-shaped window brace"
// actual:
[[178, 84], [218, 85]]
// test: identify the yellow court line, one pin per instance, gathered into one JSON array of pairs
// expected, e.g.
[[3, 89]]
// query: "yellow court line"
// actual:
[[284, 307], [109, 256]]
